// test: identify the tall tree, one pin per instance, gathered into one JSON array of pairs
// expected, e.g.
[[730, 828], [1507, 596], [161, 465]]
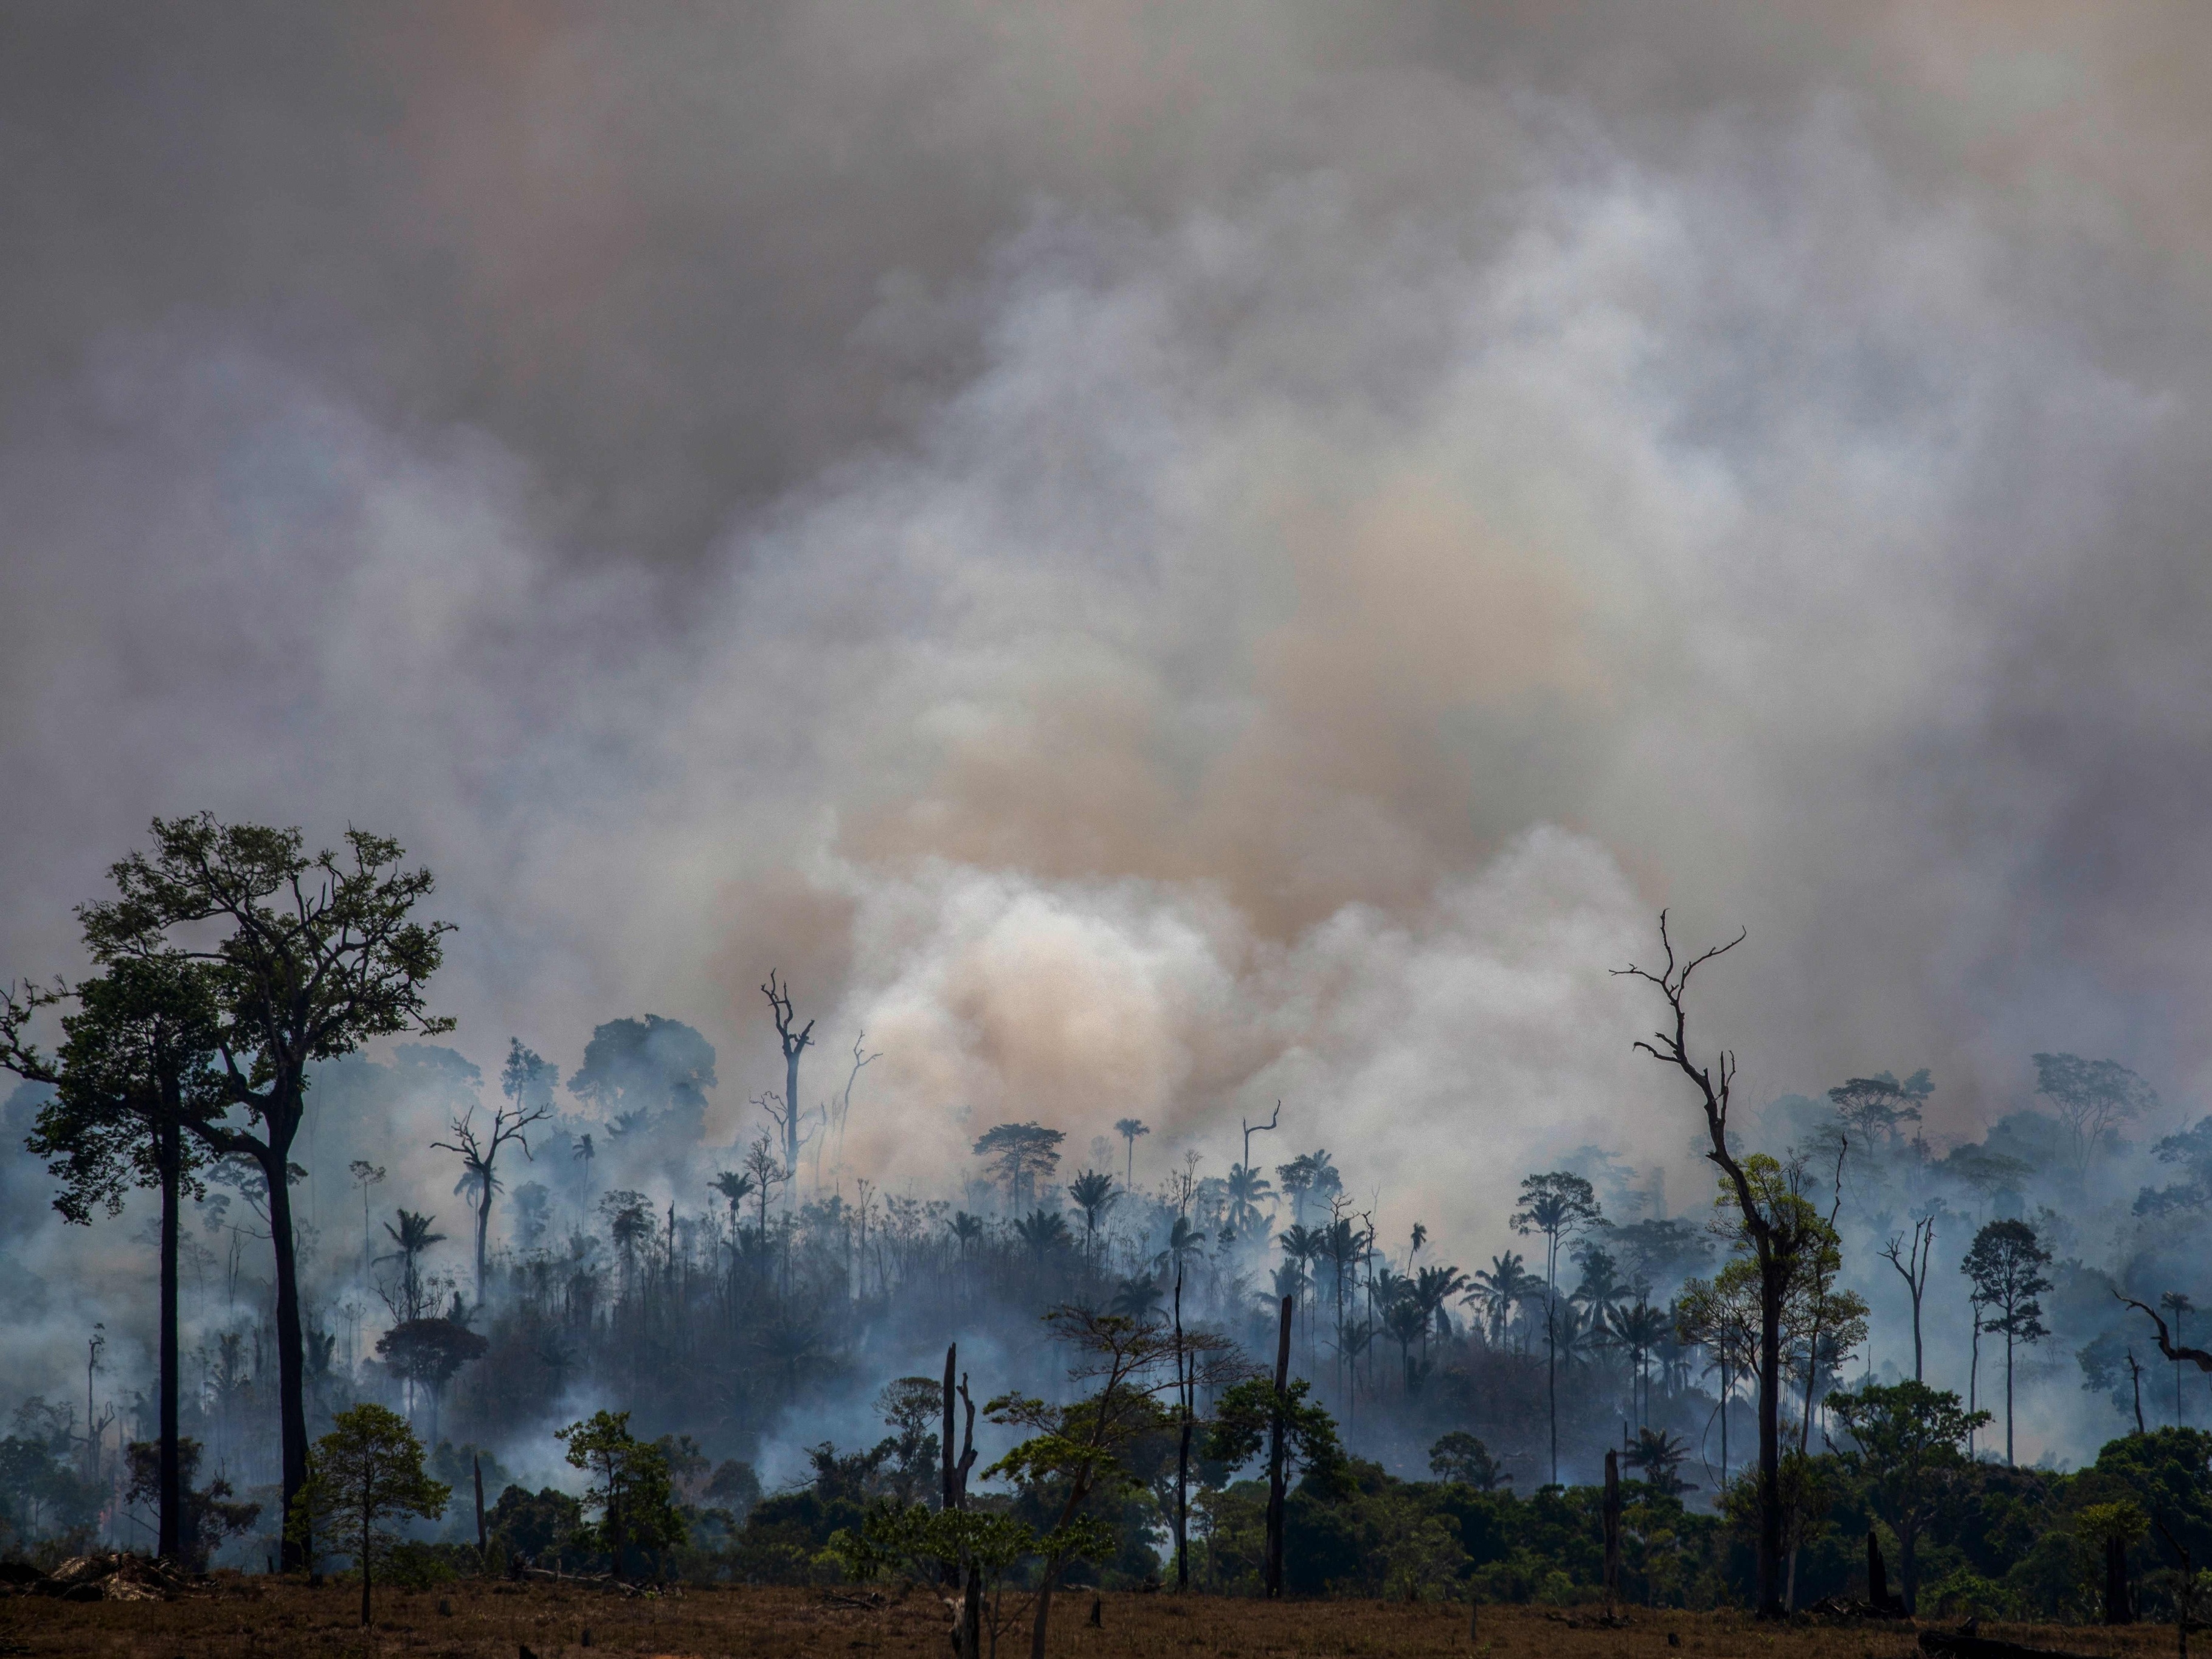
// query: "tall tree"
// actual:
[[2005, 1265], [136, 1068], [1554, 1204], [314, 954], [1022, 1155], [793, 1038], [1912, 1260], [1129, 1128], [1775, 1226], [1092, 1191], [2092, 1098], [1874, 1109], [522, 1081]]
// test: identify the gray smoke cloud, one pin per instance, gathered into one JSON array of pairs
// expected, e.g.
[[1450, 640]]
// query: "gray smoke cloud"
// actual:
[[1152, 561]]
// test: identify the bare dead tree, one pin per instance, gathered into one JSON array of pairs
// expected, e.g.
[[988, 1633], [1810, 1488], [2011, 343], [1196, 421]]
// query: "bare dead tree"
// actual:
[[843, 1108], [1252, 1128], [794, 1038], [478, 1152], [1912, 1263], [1774, 1226]]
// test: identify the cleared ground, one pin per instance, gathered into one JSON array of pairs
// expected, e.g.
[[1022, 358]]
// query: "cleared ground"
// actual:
[[256, 1617]]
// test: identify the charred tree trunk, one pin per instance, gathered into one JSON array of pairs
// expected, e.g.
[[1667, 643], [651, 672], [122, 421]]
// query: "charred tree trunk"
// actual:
[[1773, 1286], [1277, 1428], [1611, 1530], [291, 1379], [1877, 1575], [2117, 1611], [169, 1469]]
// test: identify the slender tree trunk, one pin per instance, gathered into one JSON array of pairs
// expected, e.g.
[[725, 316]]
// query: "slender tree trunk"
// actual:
[[1773, 1282], [170, 1471], [1917, 1361], [483, 1229], [791, 1117], [291, 1379], [1274, 1566], [1908, 1563], [364, 1562], [2008, 1462], [1551, 1351]]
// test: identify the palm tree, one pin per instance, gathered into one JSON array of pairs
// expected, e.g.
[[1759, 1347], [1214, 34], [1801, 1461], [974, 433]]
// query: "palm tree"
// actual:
[[413, 1237], [1407, 1323], [1092, 1191], [737, 1189], [1184, 1240], [1639, 1330], [1248, 1188], [966, 1230], [1659, 1454], [1041, 1230], [585, 1153], [1554, 1204], [1499, 1290], [1136, 1299], [1129, 1128], [1432, 1288]]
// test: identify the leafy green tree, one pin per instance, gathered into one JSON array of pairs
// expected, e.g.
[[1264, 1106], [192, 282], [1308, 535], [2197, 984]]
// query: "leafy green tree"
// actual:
[[366, 1473], [535, 1529], [910, 1407], [134, 1070], [1555, 1204], [210, 1513], [1073, 1451], [310, 956], [1460, 1456], [1907, 1441], [980, 1547], [2005, 1265], [629, 1485]]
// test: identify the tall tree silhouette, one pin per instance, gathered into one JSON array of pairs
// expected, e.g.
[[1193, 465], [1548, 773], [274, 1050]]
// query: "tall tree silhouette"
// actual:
[[522, 1081], [1554, 1204], [312, 955], [1129, 1128], [2093, 1097], [1092, 1191], [1022, 1155], [1775, 1226], [135, 1067], [793, 1038], [2005, 1265]]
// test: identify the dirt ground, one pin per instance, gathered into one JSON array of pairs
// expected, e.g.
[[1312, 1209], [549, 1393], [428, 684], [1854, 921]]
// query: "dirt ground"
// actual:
[[263, 1617]]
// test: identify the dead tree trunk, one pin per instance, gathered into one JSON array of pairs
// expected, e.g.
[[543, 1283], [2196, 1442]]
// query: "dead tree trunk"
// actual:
[[1276, 1433]]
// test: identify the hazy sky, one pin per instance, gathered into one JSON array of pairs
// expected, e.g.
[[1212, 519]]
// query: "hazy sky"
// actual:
[[1154, 556]]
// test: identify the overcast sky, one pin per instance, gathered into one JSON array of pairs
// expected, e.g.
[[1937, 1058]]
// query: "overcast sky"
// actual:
[[1153, 556]]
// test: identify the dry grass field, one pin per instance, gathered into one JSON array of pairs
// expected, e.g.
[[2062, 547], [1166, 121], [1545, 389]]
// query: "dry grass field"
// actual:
[[262, 1618]]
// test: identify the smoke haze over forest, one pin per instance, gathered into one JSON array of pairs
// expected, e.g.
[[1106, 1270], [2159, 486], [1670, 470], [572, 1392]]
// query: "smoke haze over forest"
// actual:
[[1152, 561]]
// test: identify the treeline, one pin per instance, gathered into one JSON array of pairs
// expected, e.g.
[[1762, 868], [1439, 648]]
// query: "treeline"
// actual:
[[591, 1248]]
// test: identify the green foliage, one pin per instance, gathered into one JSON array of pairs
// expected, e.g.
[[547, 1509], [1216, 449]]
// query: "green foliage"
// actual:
[[546, 1529], [210, 1513], [364, 1474], [629, 1486]]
